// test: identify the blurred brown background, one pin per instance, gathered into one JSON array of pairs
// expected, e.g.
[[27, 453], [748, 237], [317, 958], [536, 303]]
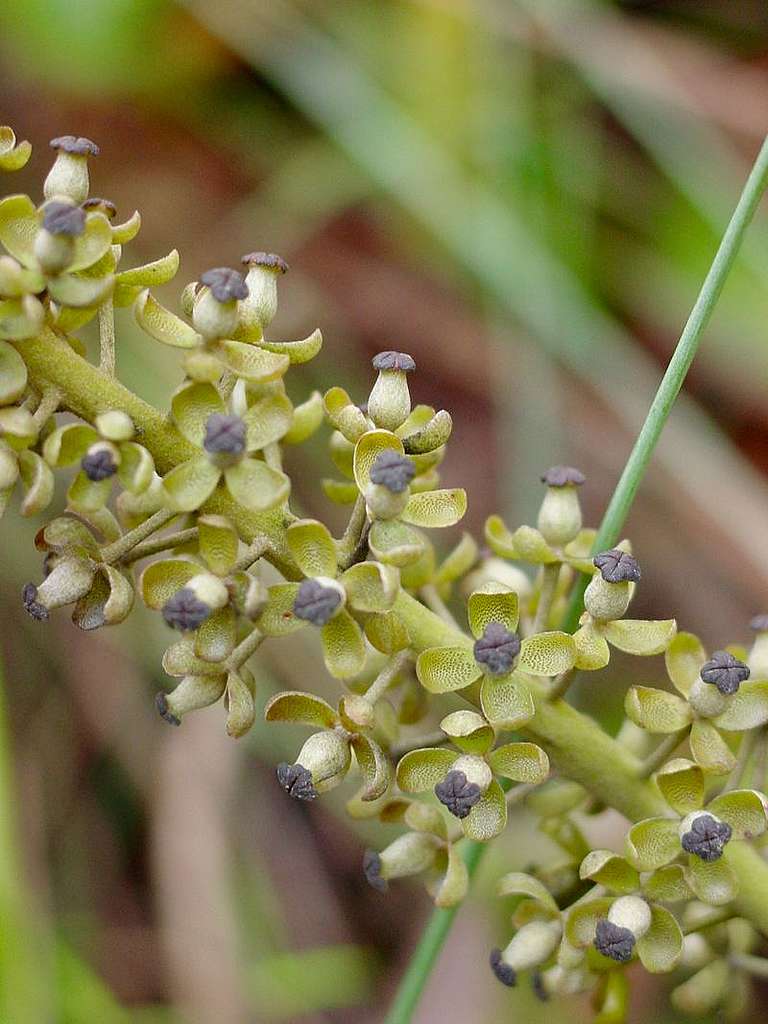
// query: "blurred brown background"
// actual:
[[524, 195]]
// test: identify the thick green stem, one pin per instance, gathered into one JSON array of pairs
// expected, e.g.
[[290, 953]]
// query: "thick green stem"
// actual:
[[86, 391], [658, 414]]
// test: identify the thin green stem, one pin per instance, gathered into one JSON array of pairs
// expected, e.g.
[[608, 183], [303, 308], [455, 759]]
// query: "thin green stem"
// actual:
[[550, 574], [746, 749], [107, 337], [637, 463], [387, 676], [439, 925], [155, 545], [117, 550], [47, 406], [428, 949], [754, 965], [433, 600], [716, 916], [659, 755]]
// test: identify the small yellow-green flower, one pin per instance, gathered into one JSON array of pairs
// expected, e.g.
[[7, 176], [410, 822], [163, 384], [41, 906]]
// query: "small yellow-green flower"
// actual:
[[498, 658], [464, 779], [228, 445], [105, 452], [18, 432], [323, 598], [326, 757]]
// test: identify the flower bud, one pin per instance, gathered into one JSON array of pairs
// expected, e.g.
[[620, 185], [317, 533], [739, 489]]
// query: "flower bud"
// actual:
[[389, 403], [631, 912], [115, 425], [69, 580], [95, 204], [259, 309], [704, 835], [326, 756], [215, 313], [532, 945], [758, 656], [409, 854], [560, 513], [318, 600], [69, 175], [609, 591], [193, 604], [192, 693], [696, 952]]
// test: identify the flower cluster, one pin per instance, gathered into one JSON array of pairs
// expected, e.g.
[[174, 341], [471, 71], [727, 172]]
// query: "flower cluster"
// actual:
[[452, 669]]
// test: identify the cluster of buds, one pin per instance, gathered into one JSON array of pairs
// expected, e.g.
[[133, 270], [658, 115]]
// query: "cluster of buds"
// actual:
[[185, 510]]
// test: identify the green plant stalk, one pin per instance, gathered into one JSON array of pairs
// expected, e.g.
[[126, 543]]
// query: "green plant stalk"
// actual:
[[576, 745], [561, 740], [428, 949], [623, 496]]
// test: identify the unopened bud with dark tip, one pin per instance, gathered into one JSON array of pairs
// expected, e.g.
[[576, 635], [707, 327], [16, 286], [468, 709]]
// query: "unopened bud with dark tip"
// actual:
[[704, 835], [69, 580], [99, 205], [296, 781], [563, 476], [190, 606], [225, 437], [100, 462], [505, 974], [458, 794], [617, 566], [192, 693], [408, 855], [497, 649], [318, 600], [389, 403], [327, 756], [725, 672], [609, 591], [532, 945], [372, 871], [54, 243], [259, 309], [68, 178], [215, 312], [758, 656], [560, 514]]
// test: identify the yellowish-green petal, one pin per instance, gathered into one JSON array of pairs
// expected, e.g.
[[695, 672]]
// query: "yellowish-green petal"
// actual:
[[433, 509], [343, 646], [313, 548], [256, 485], [493, 602], [190, 484], [444, 669], [547, 654]]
